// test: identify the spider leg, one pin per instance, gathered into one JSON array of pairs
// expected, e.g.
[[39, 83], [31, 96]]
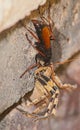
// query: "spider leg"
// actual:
[[58, 82], [36, 101], [55, 103], [26, 112], [69, 87], [37, 109], [51, 109]]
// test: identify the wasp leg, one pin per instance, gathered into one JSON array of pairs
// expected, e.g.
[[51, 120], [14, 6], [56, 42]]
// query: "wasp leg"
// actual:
[[29, 68], [34, 46], [33, 34], [44, 20], [30, 30]]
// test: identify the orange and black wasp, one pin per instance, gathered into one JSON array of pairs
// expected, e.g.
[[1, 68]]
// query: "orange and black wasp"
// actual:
[[45, 35], [43, 44]]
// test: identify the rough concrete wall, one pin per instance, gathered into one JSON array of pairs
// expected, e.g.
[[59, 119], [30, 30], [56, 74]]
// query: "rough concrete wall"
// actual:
[[16, 54], [13, 60], [66, 16]]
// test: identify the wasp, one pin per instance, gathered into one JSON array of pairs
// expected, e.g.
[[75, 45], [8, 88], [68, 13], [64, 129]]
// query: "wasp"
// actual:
[[46, 82], [43, 45]]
